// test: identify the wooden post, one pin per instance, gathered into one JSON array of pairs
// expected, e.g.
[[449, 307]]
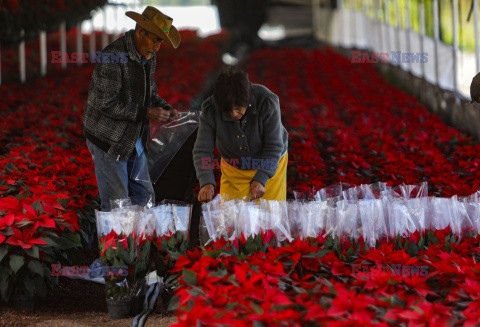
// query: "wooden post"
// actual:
[[43, 53], [21, 54]]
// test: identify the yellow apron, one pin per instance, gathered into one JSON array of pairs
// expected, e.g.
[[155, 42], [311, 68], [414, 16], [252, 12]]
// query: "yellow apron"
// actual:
[[235, 183]]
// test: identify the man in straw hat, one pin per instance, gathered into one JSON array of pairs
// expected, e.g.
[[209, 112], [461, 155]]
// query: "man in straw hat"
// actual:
[[122, 99]]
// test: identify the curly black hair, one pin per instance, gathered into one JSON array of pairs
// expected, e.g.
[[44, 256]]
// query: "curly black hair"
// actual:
[[232, 88]]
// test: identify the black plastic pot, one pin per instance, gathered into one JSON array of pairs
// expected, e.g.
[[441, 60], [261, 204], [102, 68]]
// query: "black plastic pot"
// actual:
[[137, 305], [22, 302], [118, 309]]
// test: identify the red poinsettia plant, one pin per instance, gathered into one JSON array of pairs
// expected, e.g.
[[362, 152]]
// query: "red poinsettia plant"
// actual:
[[124, 251]]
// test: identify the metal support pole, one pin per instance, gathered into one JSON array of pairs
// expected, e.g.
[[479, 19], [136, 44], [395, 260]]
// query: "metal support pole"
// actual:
[[21, 54], [115, 17], [380, 22], [365, 24], [79, 43], [455, 43], [92, 39], [477, 47], [104, 33], [43, 53], [63, 43], [0, 64], [408, 26], [316, 20], [387, 22], [398, 26], [355, 24], [421, 13], [436, 36]]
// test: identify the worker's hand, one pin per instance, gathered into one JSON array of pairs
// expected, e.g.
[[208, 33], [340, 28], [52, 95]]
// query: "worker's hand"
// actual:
[[158, 114], [173, 115], [256, 190], [206, 193]]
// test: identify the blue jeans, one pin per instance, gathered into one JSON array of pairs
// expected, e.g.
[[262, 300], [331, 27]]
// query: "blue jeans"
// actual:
[[121, 179]]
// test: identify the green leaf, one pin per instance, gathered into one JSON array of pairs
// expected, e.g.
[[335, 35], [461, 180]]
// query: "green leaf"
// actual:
[[171, 243], [16, 262], [412, 249], [63, 202], [5, 272], [421, 244], [63, 243], [432, 238], [109, 255], [33, 252], [3, 252], [219, 273], [174, 255], [322, 252], [41, 286], [36, 266], [258, 324], [117, 262], [49, 241], [5, 286], [73, 237], [189, 277], [29, 285], [174, 303], [37, 207], [350, 251], [258, 309], [122, 254]]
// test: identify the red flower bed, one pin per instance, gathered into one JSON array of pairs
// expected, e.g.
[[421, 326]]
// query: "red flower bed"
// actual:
[[420, 281], [347, 124]]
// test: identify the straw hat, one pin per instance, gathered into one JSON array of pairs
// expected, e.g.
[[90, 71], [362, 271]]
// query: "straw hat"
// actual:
[[153, 20]]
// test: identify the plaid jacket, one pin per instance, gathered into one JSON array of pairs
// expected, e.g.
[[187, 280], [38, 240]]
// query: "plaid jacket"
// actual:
[[120, 93]]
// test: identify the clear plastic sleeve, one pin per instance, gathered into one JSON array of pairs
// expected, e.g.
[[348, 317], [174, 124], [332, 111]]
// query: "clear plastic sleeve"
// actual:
[[181, 217], [347, 220], [146, 224], [276, 216], [214, 218], [163, 218], [294, 218], [167, 139], [120, 203], [440, 212], [373, 220]]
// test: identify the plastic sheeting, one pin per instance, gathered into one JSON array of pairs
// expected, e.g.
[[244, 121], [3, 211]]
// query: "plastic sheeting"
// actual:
[[373, 212], [167, 218], [165, 141]]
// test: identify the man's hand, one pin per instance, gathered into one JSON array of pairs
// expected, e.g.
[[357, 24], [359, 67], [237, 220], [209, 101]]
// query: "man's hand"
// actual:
[[256, 190], [206, 193], [158, 114], [173, 115]]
